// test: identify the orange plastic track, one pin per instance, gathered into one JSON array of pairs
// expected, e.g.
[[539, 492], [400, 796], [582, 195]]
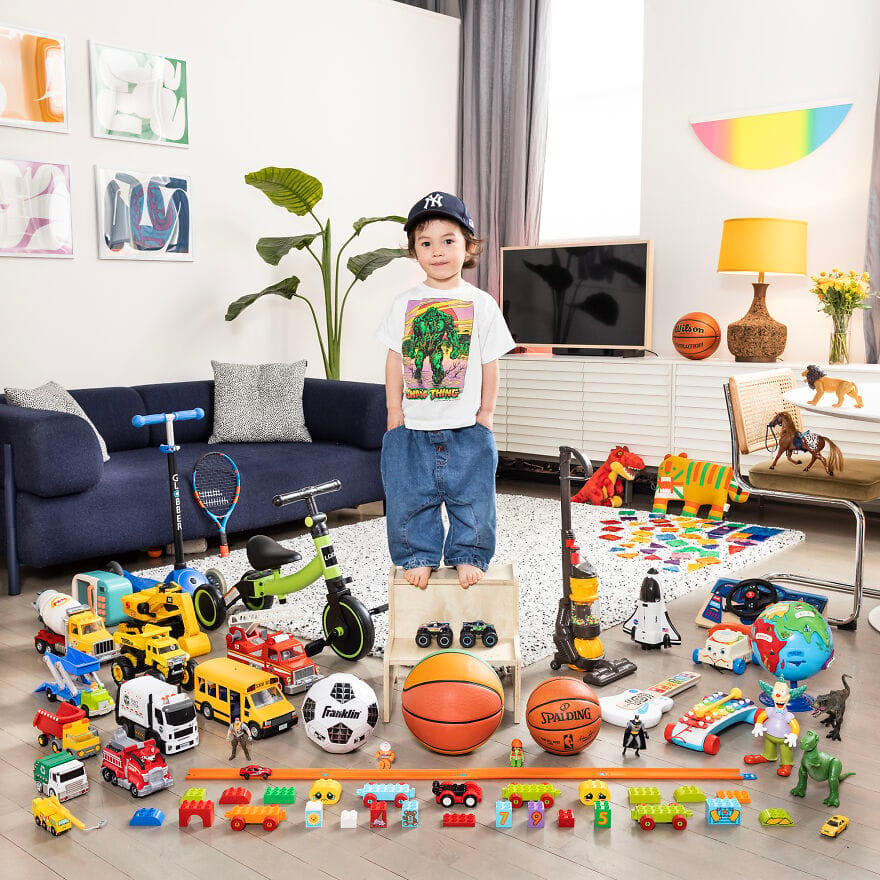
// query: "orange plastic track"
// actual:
[[374, 774]]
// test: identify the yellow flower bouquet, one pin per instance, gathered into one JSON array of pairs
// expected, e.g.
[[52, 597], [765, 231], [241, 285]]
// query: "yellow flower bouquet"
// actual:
[[840, 294]]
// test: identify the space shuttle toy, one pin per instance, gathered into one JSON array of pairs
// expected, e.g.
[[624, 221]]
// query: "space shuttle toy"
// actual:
[[649, 625]]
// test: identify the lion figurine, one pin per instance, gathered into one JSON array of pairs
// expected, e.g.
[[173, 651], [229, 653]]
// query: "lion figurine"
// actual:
[[822, 384]]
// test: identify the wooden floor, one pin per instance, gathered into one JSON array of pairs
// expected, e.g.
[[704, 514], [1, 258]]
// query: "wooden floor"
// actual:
[[623, 851]]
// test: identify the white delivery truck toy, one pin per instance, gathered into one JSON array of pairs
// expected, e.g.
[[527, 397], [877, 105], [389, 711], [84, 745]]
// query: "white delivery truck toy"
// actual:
[[149, 708]]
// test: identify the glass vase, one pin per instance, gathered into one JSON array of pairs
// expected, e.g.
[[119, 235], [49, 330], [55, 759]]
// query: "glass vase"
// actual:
[[838, 351]]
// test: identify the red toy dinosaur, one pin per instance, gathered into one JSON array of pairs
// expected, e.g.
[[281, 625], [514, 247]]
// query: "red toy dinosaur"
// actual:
[[605, 487]]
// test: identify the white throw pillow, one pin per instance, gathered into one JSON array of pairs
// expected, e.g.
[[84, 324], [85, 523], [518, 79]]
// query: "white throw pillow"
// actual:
[[258, 403], [55, 397]]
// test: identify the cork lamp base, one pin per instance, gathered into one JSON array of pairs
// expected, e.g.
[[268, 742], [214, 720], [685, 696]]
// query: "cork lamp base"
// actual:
[[756, 337]]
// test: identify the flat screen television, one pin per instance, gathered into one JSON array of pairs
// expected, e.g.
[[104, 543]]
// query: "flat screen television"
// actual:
[[589, 298]]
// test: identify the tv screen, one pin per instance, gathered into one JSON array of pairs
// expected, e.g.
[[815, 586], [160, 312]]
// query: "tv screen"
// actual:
[[592, 295]]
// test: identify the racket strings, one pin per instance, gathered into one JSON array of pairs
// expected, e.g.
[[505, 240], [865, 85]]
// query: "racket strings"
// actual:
[[215, 485]]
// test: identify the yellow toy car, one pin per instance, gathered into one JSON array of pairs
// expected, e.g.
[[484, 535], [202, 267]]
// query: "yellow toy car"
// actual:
[[835, 825], [326, 790], [592, 790]]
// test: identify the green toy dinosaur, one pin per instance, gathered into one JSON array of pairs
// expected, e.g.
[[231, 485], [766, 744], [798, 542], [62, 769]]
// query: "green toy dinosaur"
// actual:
[[819, 766]]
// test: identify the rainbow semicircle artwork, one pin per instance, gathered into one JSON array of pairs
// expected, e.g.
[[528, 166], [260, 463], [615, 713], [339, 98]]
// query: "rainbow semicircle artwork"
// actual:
[[770, 140]]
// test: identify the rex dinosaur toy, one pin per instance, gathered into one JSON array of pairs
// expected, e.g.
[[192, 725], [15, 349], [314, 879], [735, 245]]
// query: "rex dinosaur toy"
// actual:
[[605, 487], [821, 767]]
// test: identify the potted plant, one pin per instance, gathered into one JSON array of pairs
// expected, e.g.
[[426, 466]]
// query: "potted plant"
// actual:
[[298, 193]]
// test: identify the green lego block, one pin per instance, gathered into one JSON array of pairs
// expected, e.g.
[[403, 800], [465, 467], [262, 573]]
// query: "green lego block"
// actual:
[[689, 794], [279, 794], [601, 814], [195, 794], [644, 794], [775, 816]]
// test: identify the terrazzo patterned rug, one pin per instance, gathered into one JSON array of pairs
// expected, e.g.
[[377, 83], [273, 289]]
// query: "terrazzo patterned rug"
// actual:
[[622, 545]]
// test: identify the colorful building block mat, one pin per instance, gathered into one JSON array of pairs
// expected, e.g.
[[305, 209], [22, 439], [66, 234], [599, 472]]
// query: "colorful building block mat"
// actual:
[[621, 545]]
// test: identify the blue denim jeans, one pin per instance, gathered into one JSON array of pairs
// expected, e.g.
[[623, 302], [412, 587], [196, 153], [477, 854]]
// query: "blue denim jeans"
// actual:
[[421, 470]]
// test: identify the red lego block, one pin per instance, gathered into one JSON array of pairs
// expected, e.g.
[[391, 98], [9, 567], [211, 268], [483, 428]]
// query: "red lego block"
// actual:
[[565, 819], [379, 815], [459, 820], [235, 796], [203, 809]]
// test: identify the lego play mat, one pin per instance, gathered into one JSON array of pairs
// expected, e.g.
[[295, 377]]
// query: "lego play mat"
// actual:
[[622, 545]]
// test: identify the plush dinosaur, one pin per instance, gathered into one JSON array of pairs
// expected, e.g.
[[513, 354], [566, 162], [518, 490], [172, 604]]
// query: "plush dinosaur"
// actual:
[[834, 705], [819, 766], [605, 487]]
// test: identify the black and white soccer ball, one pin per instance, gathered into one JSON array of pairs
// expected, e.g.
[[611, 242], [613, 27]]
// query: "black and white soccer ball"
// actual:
[[340, 712]]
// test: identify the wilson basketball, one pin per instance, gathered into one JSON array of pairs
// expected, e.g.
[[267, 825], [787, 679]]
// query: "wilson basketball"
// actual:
[[563, 715], [452, 702], [696, 335]]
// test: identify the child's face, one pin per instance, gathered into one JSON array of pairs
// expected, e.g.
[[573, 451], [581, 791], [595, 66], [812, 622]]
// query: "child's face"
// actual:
[[441, 251]]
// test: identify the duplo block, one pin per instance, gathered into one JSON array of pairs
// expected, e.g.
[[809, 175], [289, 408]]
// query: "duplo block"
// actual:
[[644, 794], [503, 814], [409, 814], [602, 814], [536, 814]]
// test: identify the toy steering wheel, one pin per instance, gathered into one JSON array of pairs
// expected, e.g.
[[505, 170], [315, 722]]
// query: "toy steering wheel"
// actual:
[[750, 597]]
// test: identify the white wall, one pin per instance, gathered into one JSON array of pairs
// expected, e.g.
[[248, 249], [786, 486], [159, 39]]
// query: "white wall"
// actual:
[[360, 93], [706, 60]]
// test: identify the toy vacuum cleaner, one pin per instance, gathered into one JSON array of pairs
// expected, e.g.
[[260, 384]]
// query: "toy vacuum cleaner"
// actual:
[[577, 641]]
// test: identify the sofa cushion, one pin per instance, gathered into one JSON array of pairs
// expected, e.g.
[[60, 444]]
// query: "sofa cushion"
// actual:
[[54, 398], [258, 403], [176, 396], [111, 410], [345, 412]]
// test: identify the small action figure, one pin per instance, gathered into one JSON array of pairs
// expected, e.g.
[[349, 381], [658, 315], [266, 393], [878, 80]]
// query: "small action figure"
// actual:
[[834, 705], [239, 734], [385, 755], [634, 736], [516, 753], [778, 726], [819, 766]]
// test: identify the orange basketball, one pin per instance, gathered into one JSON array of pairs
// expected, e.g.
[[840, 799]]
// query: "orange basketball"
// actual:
[[452, 702], [696, 335], [563, 715]]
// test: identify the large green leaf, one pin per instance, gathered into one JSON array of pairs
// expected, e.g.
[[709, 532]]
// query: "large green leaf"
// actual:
[[288, 188], [366, 221], [273, 249], [363, 265], [286, 288]]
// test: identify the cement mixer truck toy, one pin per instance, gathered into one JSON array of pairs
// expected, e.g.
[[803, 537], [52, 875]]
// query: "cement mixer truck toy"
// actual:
[[137, 766], [68, 730], [68, 624]]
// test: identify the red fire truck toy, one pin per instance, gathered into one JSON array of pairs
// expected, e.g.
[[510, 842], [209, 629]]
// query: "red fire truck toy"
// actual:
[[138, 766], [273, 651]]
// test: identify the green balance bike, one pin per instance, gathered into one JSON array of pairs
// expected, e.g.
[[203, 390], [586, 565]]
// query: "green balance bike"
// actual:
[[346, 622]]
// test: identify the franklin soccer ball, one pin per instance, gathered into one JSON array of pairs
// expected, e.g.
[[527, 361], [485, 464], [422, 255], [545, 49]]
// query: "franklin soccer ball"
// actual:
[[340, 712]]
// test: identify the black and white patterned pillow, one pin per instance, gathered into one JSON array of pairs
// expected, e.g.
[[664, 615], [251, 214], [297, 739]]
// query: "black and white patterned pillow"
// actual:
[[258, 403], [56, 398]]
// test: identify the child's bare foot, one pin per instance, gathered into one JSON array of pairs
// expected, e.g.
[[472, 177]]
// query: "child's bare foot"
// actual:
[[418, 577], [468, 574]]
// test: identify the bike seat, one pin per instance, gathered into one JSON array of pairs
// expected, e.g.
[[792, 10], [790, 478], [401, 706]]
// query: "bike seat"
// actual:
[[264, 552]]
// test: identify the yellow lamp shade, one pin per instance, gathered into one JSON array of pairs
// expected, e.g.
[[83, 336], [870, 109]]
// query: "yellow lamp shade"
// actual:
[[765, 245]]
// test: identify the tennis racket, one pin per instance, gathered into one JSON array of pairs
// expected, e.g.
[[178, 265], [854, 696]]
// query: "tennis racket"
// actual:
[[217, 485]]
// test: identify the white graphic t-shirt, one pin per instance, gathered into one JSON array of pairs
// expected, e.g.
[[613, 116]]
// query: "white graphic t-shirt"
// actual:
[[444, 337]]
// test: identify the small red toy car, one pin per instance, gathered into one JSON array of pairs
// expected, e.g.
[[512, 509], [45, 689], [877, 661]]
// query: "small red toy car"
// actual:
[[255, 770]]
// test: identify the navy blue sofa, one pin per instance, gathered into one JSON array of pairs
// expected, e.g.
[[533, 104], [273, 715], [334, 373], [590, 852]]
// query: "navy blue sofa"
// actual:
[[63, 503]]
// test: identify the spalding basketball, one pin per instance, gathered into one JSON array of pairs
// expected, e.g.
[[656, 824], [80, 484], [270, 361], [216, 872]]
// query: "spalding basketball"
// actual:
[[563, 715], [452, 702], [696, 335]]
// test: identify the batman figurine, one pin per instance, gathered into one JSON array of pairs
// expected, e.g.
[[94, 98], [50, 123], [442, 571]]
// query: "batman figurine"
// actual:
[[634, 736]]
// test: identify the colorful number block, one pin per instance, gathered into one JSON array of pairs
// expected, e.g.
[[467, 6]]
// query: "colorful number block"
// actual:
[[602, 814], [503, 814], [536, 814]]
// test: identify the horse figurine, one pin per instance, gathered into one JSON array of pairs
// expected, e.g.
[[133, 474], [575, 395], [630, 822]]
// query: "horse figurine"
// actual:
[[791, 441]]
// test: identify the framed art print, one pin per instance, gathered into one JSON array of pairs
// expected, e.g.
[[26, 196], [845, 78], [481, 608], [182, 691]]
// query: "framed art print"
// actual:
[[33, 79], [139, 96], [35, 215], [143, 216]]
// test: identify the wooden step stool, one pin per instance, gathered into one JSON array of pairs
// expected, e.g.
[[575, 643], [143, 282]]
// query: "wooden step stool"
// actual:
[[495, 599]]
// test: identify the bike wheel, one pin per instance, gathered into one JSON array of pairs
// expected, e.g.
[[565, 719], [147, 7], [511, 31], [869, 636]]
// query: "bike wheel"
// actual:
[[358, 633], [209, 606]]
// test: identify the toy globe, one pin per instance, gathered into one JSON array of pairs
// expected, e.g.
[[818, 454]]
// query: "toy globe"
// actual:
[[792, 641]]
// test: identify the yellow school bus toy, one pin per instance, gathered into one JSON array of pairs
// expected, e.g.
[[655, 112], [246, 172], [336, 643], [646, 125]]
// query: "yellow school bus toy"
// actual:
[[225, 689]]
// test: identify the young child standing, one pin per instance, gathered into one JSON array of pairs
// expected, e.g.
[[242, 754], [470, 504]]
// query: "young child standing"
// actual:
[[444, 339]]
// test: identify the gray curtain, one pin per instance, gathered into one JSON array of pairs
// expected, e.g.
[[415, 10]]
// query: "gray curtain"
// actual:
[[503, 131], [872, 249]]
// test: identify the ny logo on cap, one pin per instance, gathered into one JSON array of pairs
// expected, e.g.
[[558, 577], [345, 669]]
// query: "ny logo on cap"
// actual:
[[434, 201]]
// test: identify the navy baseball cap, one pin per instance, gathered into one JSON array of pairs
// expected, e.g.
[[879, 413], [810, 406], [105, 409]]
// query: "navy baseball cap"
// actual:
[[439, 204]]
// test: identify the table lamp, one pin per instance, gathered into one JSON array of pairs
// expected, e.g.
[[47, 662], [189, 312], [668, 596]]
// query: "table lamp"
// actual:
[[763, 245]]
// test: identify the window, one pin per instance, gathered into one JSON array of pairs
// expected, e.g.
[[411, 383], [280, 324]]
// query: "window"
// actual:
[[593, 168]]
